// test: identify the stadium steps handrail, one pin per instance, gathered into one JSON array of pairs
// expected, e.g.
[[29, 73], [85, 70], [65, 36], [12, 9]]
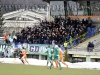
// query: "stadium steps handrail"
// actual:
[[84, 40]]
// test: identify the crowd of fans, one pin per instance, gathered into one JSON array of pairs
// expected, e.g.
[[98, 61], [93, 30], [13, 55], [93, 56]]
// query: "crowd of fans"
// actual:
[[60, 30]]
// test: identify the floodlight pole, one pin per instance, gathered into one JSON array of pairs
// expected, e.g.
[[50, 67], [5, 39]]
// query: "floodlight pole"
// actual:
[[77, 7], [88, 8], [48, 13], [65, 8]]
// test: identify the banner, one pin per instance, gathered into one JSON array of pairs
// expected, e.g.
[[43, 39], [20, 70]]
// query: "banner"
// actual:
[[37, 49], [7, 49], [3, 47], [57, 8]]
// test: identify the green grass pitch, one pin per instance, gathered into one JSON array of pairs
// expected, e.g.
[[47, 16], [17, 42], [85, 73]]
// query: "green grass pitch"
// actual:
[[20, 69]]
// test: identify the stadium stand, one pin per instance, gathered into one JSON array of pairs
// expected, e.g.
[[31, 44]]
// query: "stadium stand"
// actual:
[[60, 30], [74, 31]]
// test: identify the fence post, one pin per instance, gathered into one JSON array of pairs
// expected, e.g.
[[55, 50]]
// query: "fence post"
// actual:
[[88, 59]]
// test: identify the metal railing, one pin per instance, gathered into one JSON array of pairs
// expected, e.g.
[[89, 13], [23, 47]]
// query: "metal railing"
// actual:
[[85, 49], [90, 33]]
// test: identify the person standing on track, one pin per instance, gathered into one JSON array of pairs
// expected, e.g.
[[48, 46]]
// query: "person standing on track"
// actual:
[[49, 57], [24, 55], [61, 56], [20, 56], [56, 56]]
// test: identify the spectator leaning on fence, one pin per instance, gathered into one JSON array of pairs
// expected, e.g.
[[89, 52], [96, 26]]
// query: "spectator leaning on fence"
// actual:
[[90, 47]]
